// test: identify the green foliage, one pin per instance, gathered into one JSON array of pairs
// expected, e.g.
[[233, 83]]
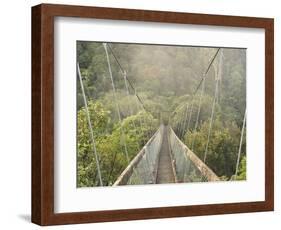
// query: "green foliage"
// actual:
[[242, 173], [222, 148], [133, 130], [87, 172]]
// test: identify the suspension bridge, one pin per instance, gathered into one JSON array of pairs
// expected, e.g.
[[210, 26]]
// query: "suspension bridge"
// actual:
[[164, 158]]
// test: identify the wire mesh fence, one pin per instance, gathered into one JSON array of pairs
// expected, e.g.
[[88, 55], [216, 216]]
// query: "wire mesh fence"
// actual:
[[188, 167], [143, 168]]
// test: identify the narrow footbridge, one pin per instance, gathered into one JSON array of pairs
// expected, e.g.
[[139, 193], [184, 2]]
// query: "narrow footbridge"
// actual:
[[165, 159]]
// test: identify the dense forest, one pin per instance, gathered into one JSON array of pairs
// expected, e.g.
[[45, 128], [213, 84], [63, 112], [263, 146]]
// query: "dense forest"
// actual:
[[169, 87]]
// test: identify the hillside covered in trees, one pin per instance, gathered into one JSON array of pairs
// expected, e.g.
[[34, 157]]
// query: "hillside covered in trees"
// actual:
[[165, 79]]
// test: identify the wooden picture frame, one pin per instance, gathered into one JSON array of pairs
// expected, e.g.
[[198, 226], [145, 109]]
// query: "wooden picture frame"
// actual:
[[43, 113]]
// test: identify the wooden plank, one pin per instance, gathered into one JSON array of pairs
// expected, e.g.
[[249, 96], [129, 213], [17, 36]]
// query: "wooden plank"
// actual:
[[165, 169]]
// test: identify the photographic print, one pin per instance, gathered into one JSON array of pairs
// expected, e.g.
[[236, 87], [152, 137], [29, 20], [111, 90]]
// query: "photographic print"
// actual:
[[157, 114], [175, 109]]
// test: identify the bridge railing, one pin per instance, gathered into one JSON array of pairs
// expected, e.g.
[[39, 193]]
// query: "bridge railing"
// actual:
[[188, 167], [143, 168]]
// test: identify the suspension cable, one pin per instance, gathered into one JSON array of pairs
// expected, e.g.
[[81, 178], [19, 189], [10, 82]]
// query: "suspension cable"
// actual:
[[142, 121], [207, 70], [201, 81], [181, 115], [116, 103], [128, 95], [240, 144], [190, 114], [90, 125], [211, 120], [131, 113], [116, 59], [128, 80], [184, 119], [198, 112], [131, 85]]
